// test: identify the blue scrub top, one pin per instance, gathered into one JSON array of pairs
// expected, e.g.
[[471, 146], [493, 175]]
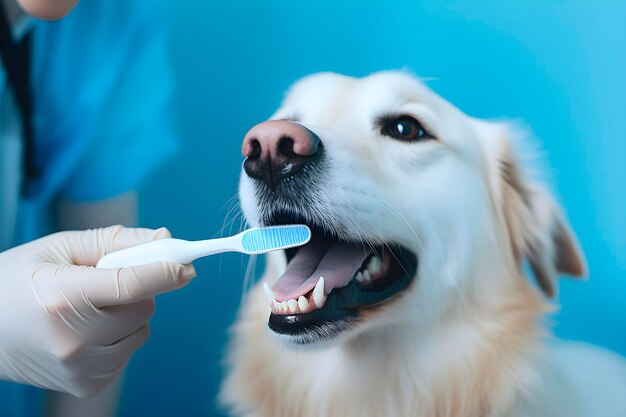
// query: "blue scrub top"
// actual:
[[103, 119], [102, 111]]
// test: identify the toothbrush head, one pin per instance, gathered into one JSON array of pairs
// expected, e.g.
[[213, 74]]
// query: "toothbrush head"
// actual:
[[265, 239]]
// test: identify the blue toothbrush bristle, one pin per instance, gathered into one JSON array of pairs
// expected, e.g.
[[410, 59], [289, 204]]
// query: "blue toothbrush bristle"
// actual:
[[274, 238]]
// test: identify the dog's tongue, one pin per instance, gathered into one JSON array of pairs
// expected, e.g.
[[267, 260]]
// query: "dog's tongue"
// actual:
[[336, 262]]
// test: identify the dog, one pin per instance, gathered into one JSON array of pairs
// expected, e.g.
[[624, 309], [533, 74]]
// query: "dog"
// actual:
[[413, 296]]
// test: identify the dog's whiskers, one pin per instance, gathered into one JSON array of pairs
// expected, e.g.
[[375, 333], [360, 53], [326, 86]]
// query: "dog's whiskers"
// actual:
[[397, 214]]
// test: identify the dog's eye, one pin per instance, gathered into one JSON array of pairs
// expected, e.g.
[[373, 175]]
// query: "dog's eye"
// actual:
[[405, 128]]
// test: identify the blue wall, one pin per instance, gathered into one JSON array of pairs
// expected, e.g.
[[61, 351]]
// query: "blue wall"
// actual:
[[559, 66]]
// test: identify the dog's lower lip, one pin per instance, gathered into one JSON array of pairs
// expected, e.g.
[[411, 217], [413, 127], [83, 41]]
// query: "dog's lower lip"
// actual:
[[344, 305]]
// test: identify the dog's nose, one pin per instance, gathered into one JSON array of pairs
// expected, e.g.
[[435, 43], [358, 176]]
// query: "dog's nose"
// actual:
[[277, 149]]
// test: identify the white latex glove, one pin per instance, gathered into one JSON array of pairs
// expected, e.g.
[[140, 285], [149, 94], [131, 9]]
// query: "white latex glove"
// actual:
[[68, 326]]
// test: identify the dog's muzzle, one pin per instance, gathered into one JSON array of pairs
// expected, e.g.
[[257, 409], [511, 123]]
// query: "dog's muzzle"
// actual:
[[339, 277]]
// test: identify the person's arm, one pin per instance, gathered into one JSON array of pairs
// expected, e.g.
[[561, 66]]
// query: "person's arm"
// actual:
[[48, 9], [73, 215]]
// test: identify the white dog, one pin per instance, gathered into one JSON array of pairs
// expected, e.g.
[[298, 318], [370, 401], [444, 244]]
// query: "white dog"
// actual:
[[422, 221]]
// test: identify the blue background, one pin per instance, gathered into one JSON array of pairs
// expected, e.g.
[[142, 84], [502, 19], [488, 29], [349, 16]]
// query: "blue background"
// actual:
[[558, 66]]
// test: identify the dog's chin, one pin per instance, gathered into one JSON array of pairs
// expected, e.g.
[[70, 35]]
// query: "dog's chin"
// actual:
[[349, 304]]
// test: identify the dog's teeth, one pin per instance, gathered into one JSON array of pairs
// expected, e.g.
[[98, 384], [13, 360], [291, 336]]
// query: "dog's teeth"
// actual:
[[303, 303], [359, 276], [374, 265], [284, 307], [293, 305], [269, 294], [276, 305], [366, 276], [318, 293]]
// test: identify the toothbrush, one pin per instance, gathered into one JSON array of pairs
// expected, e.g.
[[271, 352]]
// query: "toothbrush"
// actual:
[[252, 242]]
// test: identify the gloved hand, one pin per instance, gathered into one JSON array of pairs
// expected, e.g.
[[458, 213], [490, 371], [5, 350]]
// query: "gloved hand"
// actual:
[[68, 326]]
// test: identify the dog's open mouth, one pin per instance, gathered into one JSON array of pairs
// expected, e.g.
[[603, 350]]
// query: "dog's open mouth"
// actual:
[[329, 283]]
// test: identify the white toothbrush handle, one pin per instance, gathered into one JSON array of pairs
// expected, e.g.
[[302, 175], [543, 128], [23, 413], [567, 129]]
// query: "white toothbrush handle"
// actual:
[[169, 250]]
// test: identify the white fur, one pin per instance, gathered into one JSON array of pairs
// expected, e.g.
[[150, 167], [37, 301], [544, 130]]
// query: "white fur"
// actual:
[[465, 339]]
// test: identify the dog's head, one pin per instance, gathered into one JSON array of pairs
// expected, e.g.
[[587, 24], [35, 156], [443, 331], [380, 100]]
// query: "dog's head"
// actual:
[[414, 206]]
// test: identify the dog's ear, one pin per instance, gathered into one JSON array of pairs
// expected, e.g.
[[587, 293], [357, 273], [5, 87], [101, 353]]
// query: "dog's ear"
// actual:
[[536, 227]]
